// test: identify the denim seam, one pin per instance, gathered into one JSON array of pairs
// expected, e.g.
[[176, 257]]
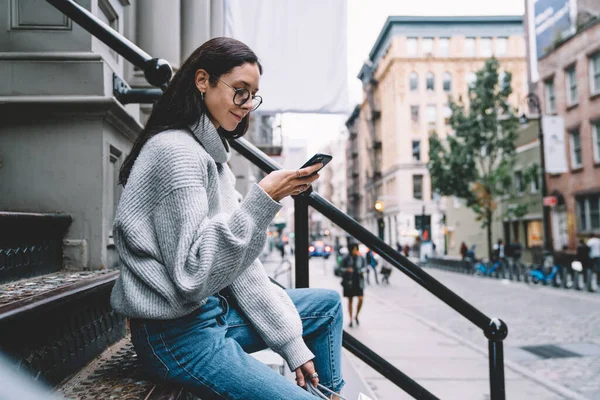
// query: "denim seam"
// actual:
[[186, 370], [311, 316], [154, 352]]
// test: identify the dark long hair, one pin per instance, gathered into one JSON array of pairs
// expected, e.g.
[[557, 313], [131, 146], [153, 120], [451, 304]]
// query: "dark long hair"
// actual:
[[181, 104]]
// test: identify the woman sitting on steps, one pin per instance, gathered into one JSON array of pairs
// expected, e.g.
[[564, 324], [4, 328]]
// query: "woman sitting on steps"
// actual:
[[198, 298]]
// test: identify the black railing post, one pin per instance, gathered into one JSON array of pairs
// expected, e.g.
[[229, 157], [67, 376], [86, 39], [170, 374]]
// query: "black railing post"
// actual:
[[496, 333], [301, 240]]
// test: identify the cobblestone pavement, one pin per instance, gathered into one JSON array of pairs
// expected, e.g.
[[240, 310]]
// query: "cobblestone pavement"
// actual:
[[534, 315]]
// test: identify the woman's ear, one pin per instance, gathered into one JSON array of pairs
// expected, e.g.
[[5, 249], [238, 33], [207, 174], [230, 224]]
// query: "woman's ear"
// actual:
[[201, 80]]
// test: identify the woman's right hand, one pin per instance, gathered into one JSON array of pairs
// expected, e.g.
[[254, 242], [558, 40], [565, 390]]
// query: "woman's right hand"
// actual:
[[283, 183]]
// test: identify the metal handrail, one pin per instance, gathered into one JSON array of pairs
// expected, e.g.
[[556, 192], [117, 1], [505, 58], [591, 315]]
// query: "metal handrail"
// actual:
[[495, 330], [158, 72]]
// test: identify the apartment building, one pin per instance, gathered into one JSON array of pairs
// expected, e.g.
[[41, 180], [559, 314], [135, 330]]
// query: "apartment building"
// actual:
[[414, 67]]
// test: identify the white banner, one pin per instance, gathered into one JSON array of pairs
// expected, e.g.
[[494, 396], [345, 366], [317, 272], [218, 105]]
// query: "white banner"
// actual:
[[302, 48], [555, 149]]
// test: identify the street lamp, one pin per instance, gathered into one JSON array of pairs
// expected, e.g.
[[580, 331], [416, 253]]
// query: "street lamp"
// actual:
[[533, 101]]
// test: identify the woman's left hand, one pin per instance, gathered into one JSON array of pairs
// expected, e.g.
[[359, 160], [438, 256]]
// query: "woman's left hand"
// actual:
[[303, 372]]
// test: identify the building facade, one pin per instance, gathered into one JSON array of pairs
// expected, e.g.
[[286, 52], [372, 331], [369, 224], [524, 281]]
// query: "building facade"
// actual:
[[333, 188], [569, 87], [64, 134], [415, 66]]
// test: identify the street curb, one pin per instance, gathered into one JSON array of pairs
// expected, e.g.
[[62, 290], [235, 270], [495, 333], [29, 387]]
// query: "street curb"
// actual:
[[558, 389]]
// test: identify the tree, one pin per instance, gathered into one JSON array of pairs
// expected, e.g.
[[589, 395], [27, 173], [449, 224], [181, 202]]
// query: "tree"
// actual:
[[476, 162]]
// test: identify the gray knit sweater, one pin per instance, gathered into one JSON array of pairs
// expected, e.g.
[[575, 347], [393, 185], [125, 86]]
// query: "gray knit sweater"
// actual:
[[183, 233]]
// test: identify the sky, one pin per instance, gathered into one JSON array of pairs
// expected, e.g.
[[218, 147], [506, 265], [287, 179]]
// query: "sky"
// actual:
[[365, 21]]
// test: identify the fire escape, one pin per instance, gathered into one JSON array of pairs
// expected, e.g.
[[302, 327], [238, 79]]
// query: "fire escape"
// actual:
[[353, 174], [373, 118]]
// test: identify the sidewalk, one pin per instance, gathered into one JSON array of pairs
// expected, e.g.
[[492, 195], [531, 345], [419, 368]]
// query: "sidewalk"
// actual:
[[437, 360]]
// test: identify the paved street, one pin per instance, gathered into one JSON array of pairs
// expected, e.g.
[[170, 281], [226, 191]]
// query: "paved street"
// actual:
[[443, 352]]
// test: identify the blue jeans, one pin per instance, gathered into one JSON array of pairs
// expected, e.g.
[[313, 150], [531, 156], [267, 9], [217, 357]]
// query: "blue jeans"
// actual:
[[207, 351]]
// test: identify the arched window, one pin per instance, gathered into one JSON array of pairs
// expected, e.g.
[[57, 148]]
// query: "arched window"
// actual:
[[430, 81], [447, 82], [414, 81]]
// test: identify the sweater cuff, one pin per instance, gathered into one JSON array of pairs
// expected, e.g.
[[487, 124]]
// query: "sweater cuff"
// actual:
[[296, 353], [261, 206]]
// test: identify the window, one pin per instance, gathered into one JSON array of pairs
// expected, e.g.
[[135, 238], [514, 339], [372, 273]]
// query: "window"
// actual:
[[447, 115], [414, 114], [501, 46], [550, 96], [535, 182], [444, 47], [502, 80], [595, 74], [581, 214], [427, 46], [411, 47], [447, 82], [534, 233], [571, 86], [430, 81], [596, 138], [588, 212], [431, 116], [418, 187], [519, 184], [485, 47], [470, 78], [416, 150], [414, 81], [576, 159], [470, 47]]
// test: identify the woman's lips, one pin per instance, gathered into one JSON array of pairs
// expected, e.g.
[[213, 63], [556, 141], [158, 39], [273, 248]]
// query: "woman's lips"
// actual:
[[239, 119]]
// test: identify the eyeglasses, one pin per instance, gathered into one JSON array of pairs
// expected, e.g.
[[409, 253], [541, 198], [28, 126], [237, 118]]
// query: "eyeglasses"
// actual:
[[241, 96]]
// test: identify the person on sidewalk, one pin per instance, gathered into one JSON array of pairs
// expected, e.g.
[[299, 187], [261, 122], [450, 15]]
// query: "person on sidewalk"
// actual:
[[353, 281], [463, 250], [371, 264], [594, 244], [583, 254], [198, 298]]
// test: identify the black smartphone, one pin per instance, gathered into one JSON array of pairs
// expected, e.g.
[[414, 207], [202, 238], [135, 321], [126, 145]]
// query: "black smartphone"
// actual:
[[316, 159]]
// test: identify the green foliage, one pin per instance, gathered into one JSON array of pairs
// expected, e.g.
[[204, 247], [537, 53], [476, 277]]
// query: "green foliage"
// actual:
[[476, 162]]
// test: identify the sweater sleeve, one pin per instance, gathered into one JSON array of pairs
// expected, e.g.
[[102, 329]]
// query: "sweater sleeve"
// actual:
[[204, 254], [273, 314]]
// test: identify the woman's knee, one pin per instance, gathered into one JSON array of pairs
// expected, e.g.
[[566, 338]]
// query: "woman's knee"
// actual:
[[332, 299]]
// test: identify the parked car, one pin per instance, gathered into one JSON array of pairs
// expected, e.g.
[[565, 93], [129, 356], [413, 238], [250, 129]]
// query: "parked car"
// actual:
[[319, 249]]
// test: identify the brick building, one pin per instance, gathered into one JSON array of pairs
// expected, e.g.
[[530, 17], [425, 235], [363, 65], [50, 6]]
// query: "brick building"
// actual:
[[569, 86]]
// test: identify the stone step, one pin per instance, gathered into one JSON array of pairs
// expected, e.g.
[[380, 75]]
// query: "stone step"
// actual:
[[51, 326], [31, 244]]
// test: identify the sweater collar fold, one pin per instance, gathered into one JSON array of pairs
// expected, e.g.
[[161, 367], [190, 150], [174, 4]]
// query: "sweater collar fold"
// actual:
[[213, 142]]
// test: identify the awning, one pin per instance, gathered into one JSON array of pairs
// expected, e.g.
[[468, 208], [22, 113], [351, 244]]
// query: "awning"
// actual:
[[302, 48]]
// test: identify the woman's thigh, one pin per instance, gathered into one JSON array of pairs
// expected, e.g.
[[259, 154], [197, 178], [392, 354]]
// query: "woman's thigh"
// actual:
[[316, 307], [195, 353]]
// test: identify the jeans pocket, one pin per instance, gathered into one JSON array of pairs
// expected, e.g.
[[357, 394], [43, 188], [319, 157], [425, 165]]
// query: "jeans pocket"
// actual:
[[150, 351]]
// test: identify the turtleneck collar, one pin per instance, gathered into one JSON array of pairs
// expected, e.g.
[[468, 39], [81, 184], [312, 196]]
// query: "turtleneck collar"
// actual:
[[213, 143]]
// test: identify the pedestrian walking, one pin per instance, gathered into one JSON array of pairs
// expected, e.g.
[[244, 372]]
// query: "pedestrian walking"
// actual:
[[198, 299], [594, 244], [371, 264], [463, 250], [353, 281], [583, 254]]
